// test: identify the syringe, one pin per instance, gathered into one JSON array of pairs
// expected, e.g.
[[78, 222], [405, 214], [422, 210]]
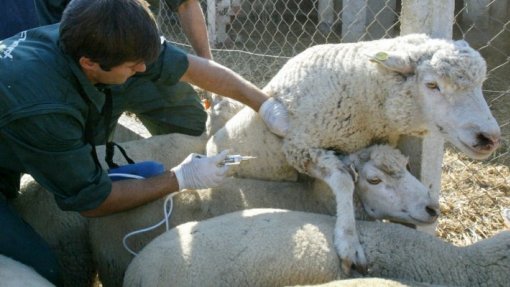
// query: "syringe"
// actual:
[[236, 159]]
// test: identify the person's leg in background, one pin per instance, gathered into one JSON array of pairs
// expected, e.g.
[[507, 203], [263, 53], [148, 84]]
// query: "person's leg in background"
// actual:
[[166, 109], [17, 16], [18, 240]]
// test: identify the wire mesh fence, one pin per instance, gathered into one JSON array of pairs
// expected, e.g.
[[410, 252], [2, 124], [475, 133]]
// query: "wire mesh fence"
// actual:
[[255, 38]]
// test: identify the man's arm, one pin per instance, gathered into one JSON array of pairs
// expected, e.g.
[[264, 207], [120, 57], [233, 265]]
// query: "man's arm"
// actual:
[[127, 194], [219, 79], [194, 172], [193, 23]]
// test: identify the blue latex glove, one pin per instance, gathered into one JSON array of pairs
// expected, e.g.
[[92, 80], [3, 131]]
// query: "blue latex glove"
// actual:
[[142, 169]]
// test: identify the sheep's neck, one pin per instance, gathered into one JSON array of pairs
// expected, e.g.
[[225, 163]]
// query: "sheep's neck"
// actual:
[[403, 114]]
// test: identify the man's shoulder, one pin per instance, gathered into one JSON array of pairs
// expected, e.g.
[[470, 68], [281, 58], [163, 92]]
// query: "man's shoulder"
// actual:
[[33, 58], [31, 47]]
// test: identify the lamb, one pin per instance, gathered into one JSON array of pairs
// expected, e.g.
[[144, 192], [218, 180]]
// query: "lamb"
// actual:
[[222, 109], [16, 274], [398, 196], [344, 97], [268, 247]]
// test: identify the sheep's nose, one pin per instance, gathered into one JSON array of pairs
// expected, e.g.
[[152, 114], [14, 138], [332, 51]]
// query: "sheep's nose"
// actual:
[[488, 141], [433, 211]]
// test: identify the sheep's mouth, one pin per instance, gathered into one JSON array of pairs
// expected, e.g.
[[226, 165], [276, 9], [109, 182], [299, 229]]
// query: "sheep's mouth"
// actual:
[[409, 219], [477, 150], [420, 221]]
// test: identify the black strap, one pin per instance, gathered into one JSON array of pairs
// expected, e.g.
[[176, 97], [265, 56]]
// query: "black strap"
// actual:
[[89, 130], [110, 149], [89, 137], [110, 145]]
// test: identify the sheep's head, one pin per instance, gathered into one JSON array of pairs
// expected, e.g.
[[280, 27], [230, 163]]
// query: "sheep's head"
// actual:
[[388, 190], [449, 77], [450, 84]]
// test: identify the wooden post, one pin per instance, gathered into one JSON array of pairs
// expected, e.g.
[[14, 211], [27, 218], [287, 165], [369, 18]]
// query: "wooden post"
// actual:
[[326, 13], [211, 22], [354, 16], [435, 18]]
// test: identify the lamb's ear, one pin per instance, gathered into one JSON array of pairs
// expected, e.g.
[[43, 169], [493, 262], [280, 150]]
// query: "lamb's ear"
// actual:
[[397, 62], [461, 44], [353, 172]]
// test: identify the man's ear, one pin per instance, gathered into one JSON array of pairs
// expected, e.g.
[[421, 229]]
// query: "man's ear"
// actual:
[[88, 65]]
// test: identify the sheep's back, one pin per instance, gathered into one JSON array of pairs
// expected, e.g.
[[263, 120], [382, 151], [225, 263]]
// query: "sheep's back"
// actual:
[[335, 95]]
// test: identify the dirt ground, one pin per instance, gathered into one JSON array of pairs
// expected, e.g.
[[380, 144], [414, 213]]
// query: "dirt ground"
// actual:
[[473, 194]]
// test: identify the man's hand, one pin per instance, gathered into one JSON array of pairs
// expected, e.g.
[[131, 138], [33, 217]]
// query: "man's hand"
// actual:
[[199, 171], [275, 116]]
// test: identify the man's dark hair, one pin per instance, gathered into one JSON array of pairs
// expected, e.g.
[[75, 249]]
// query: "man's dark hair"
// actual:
[[110, 32]]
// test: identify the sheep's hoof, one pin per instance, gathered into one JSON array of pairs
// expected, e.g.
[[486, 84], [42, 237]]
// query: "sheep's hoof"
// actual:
[[351, 253], [356, 261], [348, 266]]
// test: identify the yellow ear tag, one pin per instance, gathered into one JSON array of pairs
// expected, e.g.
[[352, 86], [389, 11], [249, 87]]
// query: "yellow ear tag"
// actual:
[[381, 56]]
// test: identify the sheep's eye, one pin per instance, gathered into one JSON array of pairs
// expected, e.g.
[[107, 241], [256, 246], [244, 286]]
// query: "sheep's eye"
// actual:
[[374, 180], [432, 86]]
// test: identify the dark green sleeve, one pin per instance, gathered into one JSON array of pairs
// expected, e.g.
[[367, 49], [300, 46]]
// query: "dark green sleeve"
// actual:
[[168, 68], [51, 148], [156, 96], [49, 11], [174, 4]]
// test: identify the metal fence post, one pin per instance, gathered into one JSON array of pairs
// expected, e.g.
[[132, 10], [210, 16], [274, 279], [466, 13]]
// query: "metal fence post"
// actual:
[[354, 16], [211, 22], [435, 18]]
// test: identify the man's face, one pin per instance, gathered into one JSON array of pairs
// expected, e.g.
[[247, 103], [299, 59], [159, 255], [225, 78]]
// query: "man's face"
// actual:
[[121, 73], [115, 76]]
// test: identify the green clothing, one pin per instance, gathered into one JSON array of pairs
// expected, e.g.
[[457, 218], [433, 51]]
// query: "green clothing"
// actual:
[[50, 11], [43, 115]]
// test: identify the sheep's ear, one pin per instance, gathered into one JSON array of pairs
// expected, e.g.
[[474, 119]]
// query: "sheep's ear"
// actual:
[[461, 44], [353, 172], [397, 62]]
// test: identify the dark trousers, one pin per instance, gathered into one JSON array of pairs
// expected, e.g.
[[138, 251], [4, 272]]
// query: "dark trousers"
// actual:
[[20, 242], [16, 16]]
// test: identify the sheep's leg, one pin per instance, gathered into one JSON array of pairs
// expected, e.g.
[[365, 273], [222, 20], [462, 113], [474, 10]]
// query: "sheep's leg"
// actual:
[[324, 165]]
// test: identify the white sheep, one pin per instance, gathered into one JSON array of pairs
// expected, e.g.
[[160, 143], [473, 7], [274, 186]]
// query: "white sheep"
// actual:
[[385, 188], [364, 282], [344, 97], [221, 110], [17, 274], [269, 247], [168, 150]]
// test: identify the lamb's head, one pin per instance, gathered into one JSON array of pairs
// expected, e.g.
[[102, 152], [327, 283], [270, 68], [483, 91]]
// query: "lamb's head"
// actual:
[[447, 78], [388, 190]]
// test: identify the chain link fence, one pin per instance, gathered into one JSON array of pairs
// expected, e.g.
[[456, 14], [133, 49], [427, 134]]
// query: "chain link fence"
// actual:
[[255, 38]]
